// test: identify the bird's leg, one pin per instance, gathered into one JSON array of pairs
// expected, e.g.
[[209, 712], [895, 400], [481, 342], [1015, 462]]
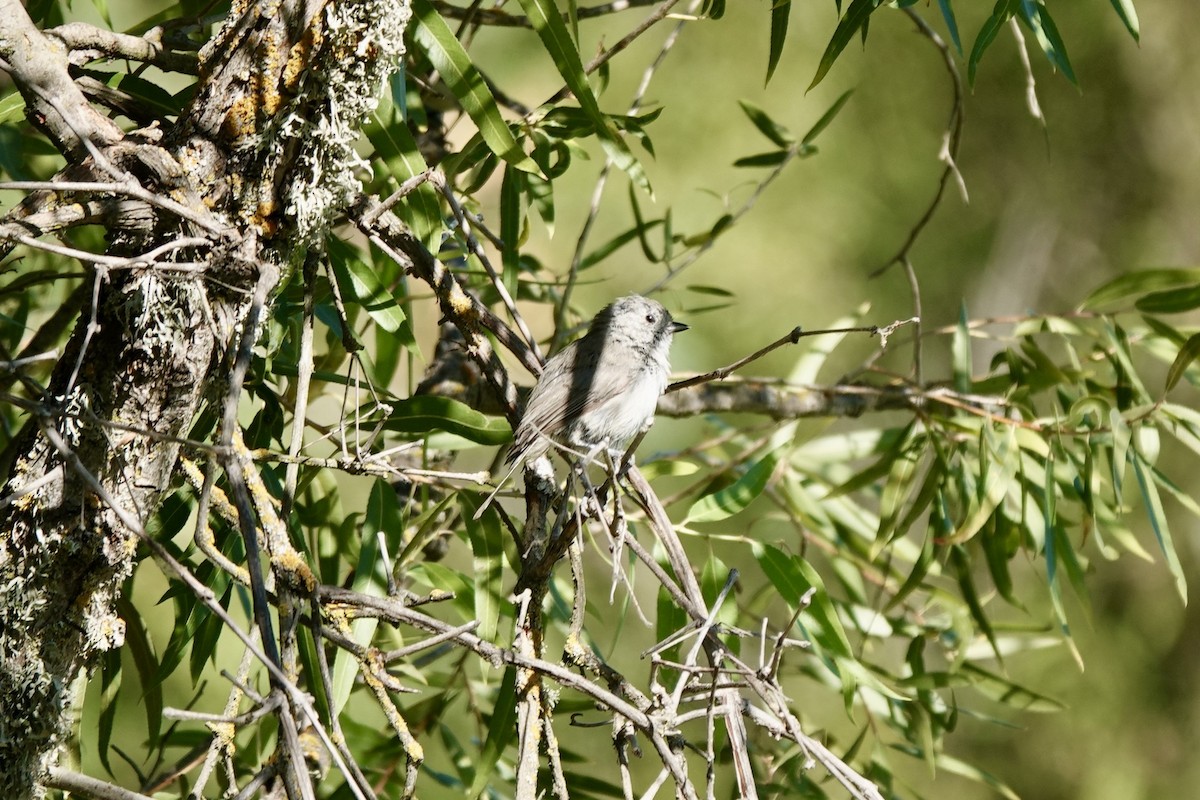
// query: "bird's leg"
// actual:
[[619, 528], [627, 459], [581, 466]]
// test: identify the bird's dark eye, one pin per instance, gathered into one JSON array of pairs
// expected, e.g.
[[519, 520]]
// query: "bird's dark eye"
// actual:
[[650, 318]]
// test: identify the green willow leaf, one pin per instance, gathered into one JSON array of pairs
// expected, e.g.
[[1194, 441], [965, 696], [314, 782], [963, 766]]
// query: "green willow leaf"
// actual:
[[426, 413], [1035, 14], [487, 552], [358, 282], [792, 577], [435, 38], [1131, 284], [1003, 461], [916, 577], [737, 495], [1187, 354], [1158, 522], [966, 588], [763, 159], [641, 227], [1172, 301], [952, 24], [382, 519], [512, 221], [960, 349], [1050, 553], [1001, 13], [502, 729], [617, 242], [1128, 15], [12, 107], [137, 644], [780, 9], [110, 687], [768, 127], [395, 146], [826, 118], [902, 474], [855, 18], [1004, 690]]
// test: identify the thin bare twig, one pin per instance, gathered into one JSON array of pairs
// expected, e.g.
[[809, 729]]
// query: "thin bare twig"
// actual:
[[792, 337]]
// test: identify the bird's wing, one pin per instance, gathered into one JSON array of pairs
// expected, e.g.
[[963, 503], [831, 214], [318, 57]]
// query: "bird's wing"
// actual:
[[555, 403]]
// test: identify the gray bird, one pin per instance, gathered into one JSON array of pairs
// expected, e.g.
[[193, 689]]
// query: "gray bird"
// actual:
[[600, 392]]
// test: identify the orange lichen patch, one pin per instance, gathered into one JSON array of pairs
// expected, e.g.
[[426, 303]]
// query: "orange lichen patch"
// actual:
[[272, 63], [264, 218], [242, 119], [300, 56], [295, 572]]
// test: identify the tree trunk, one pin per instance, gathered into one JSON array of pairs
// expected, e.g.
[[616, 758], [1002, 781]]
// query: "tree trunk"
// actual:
[[227, 198]]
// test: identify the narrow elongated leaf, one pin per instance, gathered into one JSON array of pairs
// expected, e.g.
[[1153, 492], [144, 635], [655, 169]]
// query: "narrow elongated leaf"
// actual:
[[780, 9], [1173, 301], [359, 283], [1001, 13], [487, 552], [1131, 284], [382, 518], [612, 245], [512, 220], [1004, 690], [1121, 435], [1187, 354], [1158, 522], [855, 18], [960, 350], [999, 545], [1050, 551], [768, 127], [1037, 17], [827, 117], [901, 476], [394, 144], [966, 587], [963, 769], [951, 24], [431, 33], [641, 227], [501, 731], [1003, 457], [736, 496], [1128, 15], [428, 413], [792, 577], [772, 159], [110, 687], [916, 577]]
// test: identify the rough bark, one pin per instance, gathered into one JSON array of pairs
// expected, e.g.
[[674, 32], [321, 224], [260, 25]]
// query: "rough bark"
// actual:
[[251, 174]]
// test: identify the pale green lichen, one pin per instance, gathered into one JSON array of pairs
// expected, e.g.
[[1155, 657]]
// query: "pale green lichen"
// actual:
[[361, 46]]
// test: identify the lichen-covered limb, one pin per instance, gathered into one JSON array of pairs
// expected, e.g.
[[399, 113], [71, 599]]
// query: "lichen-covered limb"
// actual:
[[256, 168]]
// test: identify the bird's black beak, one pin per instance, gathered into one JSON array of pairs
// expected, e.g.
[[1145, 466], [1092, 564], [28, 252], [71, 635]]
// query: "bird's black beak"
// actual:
[[677, 327]]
